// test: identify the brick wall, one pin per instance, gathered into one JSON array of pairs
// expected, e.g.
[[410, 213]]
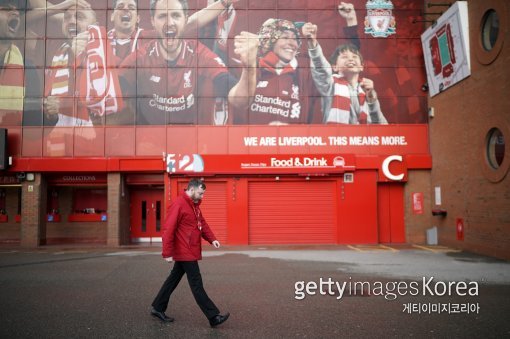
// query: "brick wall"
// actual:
[[124, 214], [114, 233], [33, 205], [417, 224], [464, 114], [76, 232]]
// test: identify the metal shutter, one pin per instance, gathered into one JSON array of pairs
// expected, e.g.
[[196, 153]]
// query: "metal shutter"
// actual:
[[301, 212]]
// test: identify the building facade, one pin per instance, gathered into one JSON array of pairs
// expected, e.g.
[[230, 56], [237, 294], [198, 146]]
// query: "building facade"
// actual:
[[111, 182], [467, 139]]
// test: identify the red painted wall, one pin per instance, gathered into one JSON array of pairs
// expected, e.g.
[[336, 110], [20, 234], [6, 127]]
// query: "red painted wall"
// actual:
[[357, 219], [357, 210]]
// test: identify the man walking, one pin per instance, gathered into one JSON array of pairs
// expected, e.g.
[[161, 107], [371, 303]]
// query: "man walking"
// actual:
[[183, 229]]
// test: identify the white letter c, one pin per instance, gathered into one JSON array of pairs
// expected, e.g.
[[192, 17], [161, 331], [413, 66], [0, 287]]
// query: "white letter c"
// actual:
[[386, 167]]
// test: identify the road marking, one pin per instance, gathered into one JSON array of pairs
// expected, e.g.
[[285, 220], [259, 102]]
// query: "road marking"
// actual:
[[369, 248], [389, 248], [69, 252], [436, 248]]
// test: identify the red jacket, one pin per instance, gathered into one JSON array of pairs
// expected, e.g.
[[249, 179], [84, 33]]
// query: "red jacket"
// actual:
[[181, 234]]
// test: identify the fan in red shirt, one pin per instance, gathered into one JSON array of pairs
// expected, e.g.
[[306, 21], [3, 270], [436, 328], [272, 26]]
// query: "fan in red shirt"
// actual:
[[171, 74], [62, 77], [126, 35], [279, 91]]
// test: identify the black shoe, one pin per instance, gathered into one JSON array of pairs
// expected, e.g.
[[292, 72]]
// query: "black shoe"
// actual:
[[218, 319], [161, 315]]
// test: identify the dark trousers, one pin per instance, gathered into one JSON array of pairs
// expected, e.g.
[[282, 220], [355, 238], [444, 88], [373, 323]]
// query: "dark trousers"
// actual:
[[192, 271]]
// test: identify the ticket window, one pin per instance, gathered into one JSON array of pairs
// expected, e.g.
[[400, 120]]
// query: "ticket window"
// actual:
[[90, 201], [89, 205]]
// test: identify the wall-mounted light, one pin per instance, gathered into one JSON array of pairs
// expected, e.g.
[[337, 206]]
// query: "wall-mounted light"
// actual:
[[30, 177], [425, 87], [416, 21], [421, 18], [439, 5], [277, 178]]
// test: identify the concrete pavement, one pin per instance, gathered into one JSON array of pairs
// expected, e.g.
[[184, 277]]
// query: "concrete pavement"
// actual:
[[286, 291]]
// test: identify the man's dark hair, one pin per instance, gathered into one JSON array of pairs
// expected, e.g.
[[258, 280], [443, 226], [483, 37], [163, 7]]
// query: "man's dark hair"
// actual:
[[184, 4], [342, 48], [115, 3], [196, 183]]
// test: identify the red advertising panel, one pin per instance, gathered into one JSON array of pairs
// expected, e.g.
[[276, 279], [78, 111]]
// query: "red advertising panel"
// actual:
[[306, 77], [417, 203], [253, 164], [459, 226]]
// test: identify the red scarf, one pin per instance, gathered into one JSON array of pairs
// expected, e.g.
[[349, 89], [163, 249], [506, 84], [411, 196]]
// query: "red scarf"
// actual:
[[99, 88], [341, 106], [59, 72], [270, 60], [223, 28], [60, 81], [99, 83]]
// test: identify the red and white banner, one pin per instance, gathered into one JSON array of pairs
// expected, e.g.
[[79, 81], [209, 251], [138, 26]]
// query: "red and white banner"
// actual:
[[259, 164], [417, 203]]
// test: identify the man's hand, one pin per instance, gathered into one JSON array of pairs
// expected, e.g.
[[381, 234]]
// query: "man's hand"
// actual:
[[368, 87], [309, 31], [51, 105], [227, 2], [64, 5], [80, 42], [246, 45], [347, 12], [216, 243], [169, 259]]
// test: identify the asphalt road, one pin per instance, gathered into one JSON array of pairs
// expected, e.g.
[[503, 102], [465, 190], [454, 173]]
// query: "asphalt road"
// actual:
[[270, 293]]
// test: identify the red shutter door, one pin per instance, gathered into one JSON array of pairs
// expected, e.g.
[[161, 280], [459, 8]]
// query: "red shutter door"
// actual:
[[301, 212], [390, 204], [214, 207]]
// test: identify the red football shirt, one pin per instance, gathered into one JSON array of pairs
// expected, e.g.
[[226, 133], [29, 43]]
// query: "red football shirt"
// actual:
[[281, 98], [123, 47], [172, 93]]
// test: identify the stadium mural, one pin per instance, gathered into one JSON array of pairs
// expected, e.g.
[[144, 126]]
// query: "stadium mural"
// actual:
[[138, 78]]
